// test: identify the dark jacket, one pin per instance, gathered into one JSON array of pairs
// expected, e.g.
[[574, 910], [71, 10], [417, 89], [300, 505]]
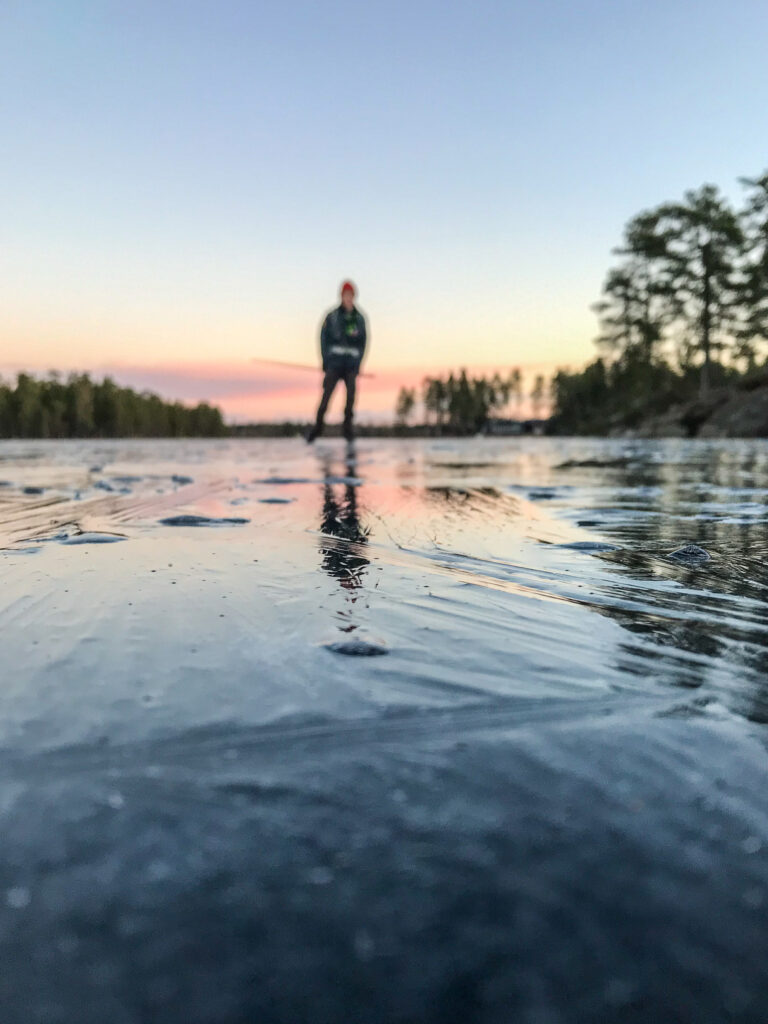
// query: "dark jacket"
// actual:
[[342, 340]]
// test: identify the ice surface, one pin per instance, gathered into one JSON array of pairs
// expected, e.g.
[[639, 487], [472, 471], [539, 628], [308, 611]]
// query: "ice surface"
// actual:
[[547, 803]]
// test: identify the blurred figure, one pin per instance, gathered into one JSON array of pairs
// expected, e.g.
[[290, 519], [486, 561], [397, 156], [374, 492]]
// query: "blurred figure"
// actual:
[[342, 347]]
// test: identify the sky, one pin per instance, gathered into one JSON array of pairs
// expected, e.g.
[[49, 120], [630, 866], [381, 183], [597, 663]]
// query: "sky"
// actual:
[[184, 184]]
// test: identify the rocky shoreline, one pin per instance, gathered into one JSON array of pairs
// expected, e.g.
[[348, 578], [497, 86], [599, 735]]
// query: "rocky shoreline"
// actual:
[[736, 411]]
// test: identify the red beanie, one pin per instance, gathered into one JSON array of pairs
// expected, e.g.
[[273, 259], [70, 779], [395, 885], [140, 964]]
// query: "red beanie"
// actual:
[[348, 287]]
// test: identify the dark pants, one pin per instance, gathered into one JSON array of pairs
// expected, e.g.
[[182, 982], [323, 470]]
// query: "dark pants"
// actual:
[[331, 379]]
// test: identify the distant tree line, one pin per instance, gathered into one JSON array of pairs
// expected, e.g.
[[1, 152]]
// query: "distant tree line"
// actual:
[[460, 404], [684, 309], [296, 428], [80, 407]]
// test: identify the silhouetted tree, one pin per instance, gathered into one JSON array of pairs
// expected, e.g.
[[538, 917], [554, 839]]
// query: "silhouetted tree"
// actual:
[[693, 271], [580, 399], [636, 300], [752, 331], [515, 385], [78, 407], [538, 394], [696, 246], [406, 402], [464, 404]]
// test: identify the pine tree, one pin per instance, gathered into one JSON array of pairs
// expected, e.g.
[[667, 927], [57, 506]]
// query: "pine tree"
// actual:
[[538, 394], [752, 331], [406, 402], [695, 247]]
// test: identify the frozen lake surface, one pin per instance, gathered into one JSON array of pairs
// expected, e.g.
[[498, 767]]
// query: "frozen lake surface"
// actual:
[[425, 731]]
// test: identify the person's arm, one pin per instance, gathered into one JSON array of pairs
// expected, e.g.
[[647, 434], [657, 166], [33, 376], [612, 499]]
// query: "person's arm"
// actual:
[[325, 341], [363, 338]]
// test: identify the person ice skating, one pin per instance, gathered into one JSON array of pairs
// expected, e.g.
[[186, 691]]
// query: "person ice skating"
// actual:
[[342, 347]]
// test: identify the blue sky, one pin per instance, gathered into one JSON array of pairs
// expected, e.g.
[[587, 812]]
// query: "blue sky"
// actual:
[[186, 183]]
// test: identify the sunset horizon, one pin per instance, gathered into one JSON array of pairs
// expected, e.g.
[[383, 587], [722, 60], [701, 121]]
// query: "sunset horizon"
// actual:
[[253, 392], [178, 199]]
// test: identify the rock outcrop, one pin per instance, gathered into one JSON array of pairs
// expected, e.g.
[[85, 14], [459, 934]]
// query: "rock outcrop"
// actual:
[[740, 411]]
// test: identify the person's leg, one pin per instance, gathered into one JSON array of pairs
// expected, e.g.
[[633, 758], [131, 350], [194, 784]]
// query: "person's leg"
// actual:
[[350, 379], [330, 381]]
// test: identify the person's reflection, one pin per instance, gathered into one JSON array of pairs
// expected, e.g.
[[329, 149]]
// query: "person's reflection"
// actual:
[[344, 537]]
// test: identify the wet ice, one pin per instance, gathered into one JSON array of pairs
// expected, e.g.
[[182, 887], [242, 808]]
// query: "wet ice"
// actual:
[[559, 756]]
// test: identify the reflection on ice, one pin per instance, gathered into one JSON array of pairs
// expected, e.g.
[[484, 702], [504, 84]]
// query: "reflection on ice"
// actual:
[[343, 541], [528, 566], [340, 519], [193, 520]]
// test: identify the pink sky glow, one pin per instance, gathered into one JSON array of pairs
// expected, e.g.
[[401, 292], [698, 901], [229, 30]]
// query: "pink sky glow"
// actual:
[[250, 392], [259, 392]]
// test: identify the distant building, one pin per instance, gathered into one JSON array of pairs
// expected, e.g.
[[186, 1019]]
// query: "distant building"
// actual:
[[497, 427], [503, 428]]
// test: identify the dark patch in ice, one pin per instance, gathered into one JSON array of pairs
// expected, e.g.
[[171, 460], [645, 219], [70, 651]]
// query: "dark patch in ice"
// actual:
[[356, 648], [95, 469], [191, 520], [348, 481], [448, 492], [690, 554], [127, 479], [693, 709], [597, 463], [31, 550], [103, 485], [5, 483], [179, 479], [284, 480], [464, 465], [589, 545], [253, 790], [541, 495], [33, 490], [92, 538], [276, 501]]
